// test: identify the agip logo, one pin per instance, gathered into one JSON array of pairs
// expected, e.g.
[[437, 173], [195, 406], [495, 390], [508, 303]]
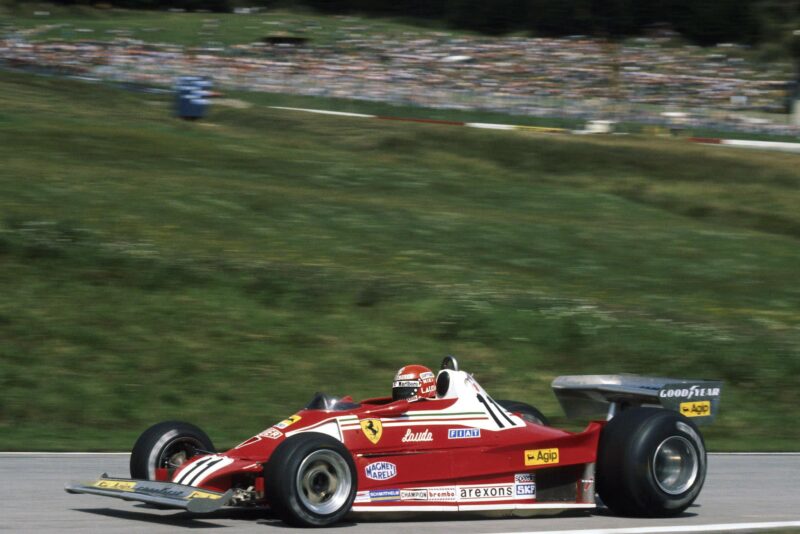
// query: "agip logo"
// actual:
[[541, 457], [696, 409]]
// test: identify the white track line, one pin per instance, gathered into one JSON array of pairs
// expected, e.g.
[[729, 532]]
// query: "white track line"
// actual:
[[326, 112], [719, 527]]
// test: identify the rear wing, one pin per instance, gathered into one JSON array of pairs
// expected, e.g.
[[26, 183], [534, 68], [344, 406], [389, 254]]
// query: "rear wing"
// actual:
[[605, 395]]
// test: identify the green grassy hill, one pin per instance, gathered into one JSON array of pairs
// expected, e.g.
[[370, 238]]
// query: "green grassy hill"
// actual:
[[222, 271]]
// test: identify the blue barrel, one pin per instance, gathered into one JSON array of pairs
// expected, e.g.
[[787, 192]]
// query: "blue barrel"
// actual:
[[191, 97]]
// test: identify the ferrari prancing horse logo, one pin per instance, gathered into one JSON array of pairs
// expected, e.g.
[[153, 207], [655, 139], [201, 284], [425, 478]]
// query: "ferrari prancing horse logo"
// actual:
[[373, 429]]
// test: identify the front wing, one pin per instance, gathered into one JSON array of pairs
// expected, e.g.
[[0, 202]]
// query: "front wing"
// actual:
[[167, 494]]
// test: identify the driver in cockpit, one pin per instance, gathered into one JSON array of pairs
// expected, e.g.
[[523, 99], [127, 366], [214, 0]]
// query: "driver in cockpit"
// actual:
[[414, 382]]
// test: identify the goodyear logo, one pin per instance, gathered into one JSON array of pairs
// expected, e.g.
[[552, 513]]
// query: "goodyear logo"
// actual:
[[696, 409], [119, 485], [541, 457], [203, 495]]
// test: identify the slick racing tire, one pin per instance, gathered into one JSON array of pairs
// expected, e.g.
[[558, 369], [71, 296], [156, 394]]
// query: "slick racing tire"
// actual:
[[651, 462], [526, 411], [167, 445], [310, 480]]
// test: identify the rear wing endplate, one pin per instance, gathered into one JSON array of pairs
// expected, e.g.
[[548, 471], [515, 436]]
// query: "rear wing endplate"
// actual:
[[596, 395], [166, 494]]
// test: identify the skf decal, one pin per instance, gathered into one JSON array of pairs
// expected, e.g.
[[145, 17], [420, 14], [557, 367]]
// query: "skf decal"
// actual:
[[463, 433], [288, 421], [541, 457], [525, 490], [696, 409], [380, 470], [373, 429], [119, 485], [203, 495]]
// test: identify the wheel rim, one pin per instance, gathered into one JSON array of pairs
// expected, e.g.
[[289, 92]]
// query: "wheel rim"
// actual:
[[675, 465], [177, 452], [323, 482]]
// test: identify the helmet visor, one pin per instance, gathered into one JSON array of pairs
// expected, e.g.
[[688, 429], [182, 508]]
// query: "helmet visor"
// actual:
[[404, 392]]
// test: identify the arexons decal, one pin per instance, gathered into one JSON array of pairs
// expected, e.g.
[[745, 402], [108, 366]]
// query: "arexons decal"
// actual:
[[380, 470], [484, 493]]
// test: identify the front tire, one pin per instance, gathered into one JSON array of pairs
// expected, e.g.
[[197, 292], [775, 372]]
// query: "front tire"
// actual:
[[167, 445], [310, 480], [650, 463]]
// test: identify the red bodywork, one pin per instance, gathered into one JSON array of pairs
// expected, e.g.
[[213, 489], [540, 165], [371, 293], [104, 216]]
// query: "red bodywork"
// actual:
[[459, 452]]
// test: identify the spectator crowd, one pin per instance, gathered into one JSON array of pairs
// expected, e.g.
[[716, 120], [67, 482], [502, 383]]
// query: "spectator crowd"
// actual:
[[574, 77]]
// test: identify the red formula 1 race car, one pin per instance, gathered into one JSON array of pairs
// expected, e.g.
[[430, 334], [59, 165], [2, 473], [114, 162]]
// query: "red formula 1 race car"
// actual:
[[460, 451]]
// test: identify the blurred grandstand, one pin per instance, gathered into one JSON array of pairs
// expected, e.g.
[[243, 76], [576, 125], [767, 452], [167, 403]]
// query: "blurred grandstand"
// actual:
[[643, 80]]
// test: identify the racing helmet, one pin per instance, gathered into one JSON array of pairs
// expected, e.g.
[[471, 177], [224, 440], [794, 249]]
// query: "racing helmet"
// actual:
[[414, 382]]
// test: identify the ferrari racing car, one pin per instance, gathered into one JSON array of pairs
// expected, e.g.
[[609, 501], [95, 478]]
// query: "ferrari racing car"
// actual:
[[458, 451]]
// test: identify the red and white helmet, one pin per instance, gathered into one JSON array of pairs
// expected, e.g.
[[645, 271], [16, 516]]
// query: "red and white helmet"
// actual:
[[414, 382]]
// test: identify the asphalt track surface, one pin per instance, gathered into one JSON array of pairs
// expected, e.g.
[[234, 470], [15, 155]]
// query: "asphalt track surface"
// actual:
[[743, 493]]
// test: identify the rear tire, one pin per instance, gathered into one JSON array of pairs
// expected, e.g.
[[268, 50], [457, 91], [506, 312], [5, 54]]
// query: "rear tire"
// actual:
[[310, 480], [526, 411], [650, 463], [167, 445]]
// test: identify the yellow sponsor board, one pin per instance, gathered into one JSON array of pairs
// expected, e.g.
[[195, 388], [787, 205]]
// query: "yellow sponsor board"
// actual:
[[203, 495], [696, 409], [120, 485], [288, 421], [541, 457]]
